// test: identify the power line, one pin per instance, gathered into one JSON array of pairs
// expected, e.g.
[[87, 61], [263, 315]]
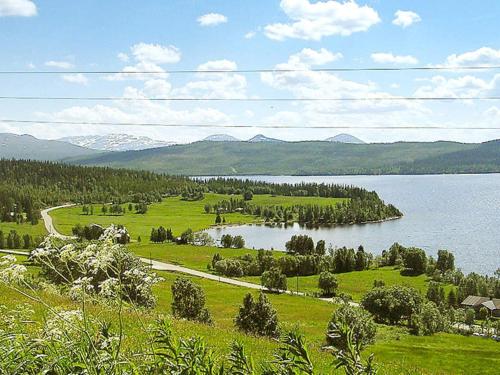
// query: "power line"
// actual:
[[242, 71], [382, 98], [244, 126]]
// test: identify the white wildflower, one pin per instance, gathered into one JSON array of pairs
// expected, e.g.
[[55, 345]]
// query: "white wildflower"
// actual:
[[109, 288], [63, 324], [7, 260], [14, 274]]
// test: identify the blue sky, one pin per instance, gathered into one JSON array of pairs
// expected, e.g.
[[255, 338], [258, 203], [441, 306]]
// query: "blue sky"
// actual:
[[65, 36]]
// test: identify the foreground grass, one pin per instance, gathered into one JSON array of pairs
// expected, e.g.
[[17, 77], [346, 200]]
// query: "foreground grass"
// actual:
[[396, 351], [174, 213]]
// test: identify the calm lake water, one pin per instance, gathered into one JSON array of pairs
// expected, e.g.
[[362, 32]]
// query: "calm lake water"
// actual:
[[460, 213]]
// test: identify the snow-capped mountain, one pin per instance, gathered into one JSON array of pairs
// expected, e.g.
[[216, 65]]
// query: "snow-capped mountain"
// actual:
[[221, 138], [263, 138], [115, 142], [345, 138]]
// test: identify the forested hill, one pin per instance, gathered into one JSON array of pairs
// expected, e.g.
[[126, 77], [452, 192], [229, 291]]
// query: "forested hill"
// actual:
[[308, 158], [28, 186], [28, 147]]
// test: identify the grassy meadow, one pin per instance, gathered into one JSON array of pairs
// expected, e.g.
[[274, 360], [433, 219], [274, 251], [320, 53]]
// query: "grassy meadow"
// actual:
[[395, 351], [174, 213]]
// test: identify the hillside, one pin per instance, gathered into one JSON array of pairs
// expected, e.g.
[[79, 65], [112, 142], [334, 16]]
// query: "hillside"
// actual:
[[309, 158], [28, 147]]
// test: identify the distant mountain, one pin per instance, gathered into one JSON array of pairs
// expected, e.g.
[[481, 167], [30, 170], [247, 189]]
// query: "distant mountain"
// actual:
[[221, 138], [308, 158], [28, 147], [115, 142], [262, 138], [345, 138]]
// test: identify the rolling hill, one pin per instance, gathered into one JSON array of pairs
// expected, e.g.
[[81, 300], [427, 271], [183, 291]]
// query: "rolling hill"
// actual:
[[308, 158], [28, 147]]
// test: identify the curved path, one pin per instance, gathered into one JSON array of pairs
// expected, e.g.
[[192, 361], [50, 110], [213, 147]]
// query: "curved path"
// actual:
[[162, 266]]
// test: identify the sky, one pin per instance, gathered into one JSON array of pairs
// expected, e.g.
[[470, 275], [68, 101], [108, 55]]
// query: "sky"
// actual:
[[198, 35]]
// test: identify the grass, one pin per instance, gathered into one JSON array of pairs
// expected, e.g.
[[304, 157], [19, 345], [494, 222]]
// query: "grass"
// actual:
[[24, 228], [173, 213], [395, 350], [356, 283]]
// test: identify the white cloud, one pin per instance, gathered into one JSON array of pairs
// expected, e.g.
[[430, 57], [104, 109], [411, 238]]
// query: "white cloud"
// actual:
[[493, 112], [223, 65], [484, 56], [156, 53], [250, 35], [78, 78], [389, 58], [209, 85], [148, 58], [123, 57], [405, 18], [136, 72], [312, 21], [212, 19], [461, 87], [319, 84], [17, 8], [309, 57], [59, 64]]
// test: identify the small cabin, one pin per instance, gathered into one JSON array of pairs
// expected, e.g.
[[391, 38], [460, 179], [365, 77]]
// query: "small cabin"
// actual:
[[476, 302]]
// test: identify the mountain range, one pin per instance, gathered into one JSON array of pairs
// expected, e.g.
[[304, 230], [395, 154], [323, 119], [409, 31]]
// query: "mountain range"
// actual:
[[28, 147], [115, 142], [264, 155]]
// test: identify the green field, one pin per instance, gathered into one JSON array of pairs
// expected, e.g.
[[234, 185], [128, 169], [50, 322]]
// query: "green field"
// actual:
[[174, 213], [356, 283], [396, 351], [24, 228]]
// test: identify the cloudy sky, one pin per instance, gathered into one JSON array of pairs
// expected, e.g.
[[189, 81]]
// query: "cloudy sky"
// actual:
[[199, 35]]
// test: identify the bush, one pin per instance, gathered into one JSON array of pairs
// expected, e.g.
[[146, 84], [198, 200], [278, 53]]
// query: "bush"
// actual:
[[257, 317], [392, 304], [226, 241], [327, 282], [188, 301], [414, 261], [238, 242], [429, 321], [229, 267], [203, 239], [274, 280], [360, 322], [186, 237]]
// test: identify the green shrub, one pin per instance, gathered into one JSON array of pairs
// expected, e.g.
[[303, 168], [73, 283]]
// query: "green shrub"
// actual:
[[188, 301], [274, 280], [360, 322], [257, 317]]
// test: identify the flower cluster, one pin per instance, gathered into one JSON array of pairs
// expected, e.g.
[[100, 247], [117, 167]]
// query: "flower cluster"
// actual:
[[10, 271], [102, 268]]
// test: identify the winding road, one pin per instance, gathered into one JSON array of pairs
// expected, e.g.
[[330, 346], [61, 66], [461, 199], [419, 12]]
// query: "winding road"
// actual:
[[156, 265]]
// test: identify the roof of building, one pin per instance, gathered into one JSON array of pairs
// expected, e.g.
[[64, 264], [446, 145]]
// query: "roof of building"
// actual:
[[474, 300], [492, 304]]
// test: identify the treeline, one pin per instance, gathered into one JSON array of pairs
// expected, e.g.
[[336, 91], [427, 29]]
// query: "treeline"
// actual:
[[28, 186], [304, 258], [13, 240], [49, 184], [357, 210], [235, 186]]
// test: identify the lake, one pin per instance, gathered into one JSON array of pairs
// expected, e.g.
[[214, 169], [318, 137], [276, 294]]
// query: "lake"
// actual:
[[460, 213]]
